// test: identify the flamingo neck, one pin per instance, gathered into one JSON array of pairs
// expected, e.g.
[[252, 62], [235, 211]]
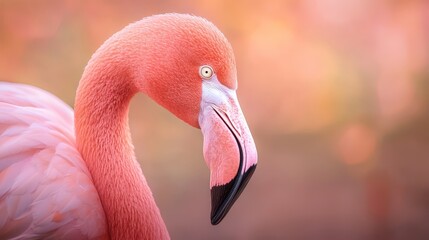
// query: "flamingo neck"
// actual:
[[103, 138]]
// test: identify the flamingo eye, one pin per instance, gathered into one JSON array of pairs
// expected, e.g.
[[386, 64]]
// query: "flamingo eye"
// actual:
[[206, 72]]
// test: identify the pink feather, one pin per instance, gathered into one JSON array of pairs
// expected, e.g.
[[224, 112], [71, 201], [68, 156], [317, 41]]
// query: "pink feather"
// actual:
[[46, 190]]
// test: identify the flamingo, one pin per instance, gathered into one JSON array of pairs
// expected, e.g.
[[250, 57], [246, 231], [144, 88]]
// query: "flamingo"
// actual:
[[66, 175]]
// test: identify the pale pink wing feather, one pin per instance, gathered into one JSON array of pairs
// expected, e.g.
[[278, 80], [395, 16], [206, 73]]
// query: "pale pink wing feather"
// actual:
[[46, 191]]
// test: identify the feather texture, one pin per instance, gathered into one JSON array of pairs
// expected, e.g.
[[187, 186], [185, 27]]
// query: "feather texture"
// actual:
[[46, 190]]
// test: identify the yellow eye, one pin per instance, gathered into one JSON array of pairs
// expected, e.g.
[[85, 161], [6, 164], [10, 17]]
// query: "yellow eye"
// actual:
[[206, 71]]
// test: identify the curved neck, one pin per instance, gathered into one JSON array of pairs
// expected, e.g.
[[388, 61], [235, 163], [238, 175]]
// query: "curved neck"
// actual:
[[103, 138]]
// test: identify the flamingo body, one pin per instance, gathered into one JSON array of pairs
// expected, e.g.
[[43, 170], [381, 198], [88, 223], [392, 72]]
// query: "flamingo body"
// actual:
[[46, 191], [74, 175]]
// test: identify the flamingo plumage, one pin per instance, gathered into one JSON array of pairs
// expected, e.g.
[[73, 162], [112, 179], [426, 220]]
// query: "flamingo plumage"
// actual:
[[66, 175]]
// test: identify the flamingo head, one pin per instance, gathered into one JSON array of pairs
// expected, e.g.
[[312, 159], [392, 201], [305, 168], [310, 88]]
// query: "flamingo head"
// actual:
[[190, 70]]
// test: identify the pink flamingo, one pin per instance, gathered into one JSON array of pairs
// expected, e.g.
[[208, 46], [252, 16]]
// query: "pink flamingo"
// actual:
[[58, 185]]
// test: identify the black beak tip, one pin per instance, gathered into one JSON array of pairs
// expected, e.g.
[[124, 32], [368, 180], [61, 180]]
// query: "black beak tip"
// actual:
[[215, 221], [224, 196]]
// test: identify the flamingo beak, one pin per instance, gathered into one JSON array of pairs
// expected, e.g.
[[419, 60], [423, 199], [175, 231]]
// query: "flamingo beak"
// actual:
[[229, 149]]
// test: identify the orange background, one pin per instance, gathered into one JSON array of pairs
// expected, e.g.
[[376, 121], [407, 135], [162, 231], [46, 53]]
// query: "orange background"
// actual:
[[336, 94]]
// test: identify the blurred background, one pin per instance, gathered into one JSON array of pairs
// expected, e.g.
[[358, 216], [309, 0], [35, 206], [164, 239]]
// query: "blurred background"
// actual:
[[336, 94]]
